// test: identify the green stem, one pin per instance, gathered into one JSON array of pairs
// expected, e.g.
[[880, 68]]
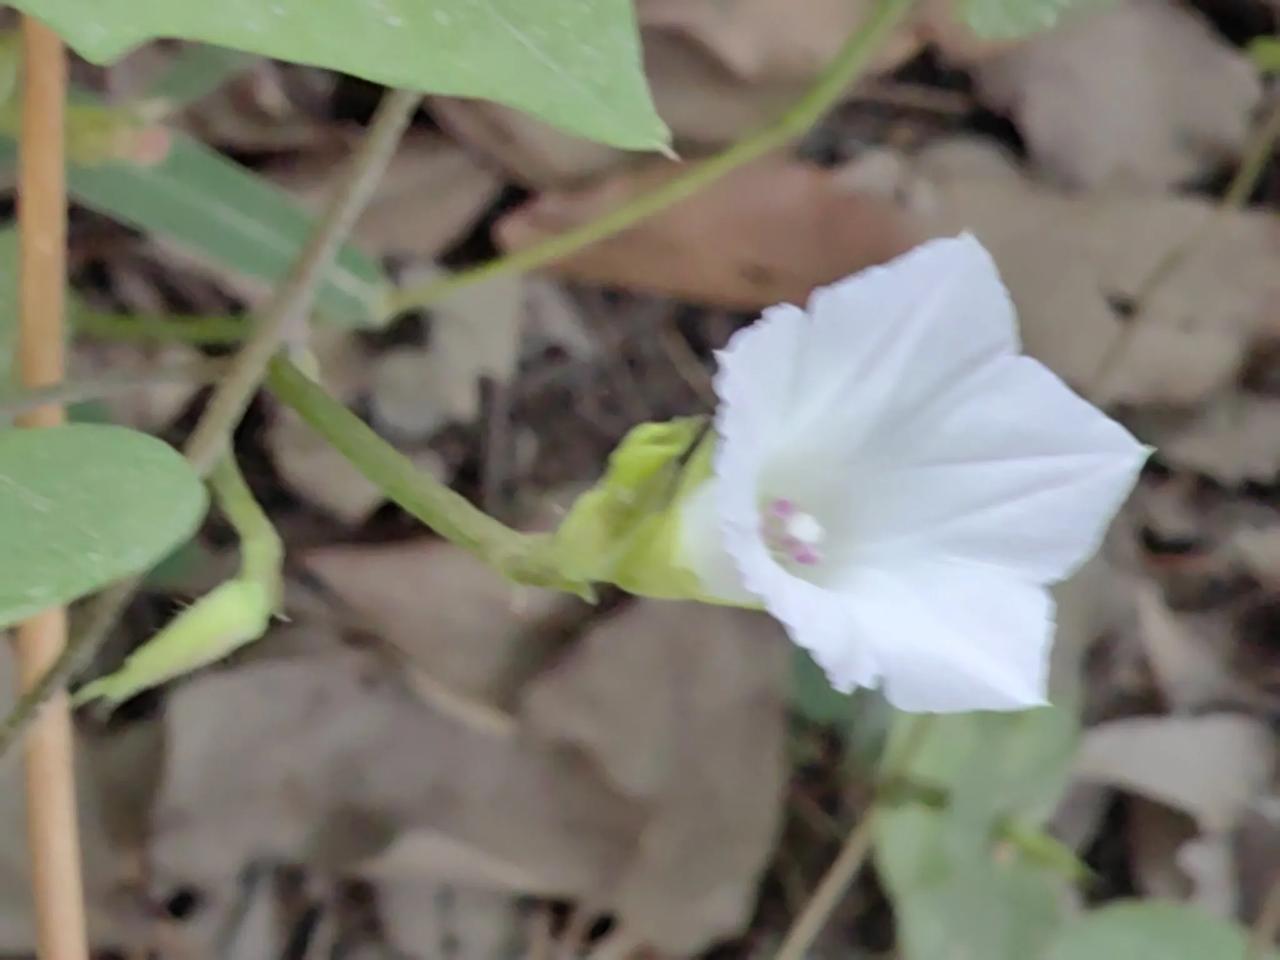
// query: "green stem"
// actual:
[[841, 873], [261, 549], [286, 315], [213, 331], [525, 558], [282, 319], [850, 63]]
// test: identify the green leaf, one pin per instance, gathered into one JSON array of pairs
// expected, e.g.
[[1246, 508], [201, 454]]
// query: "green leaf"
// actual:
[[1150, 930], [950, 905], [231, 615], [1011, 19], [1265, 53], [575, 63], [958, 883], [230, 218], [197, 71], [227, 217], [812, 696], [83, 505]]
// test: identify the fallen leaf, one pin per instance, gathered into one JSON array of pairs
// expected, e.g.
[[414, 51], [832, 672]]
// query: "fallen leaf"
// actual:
[[313, 469], [331, 757], [431, 192], [1188, 665], [1256, 846], [1156, 833], [1069, 259], [769, 231], [751, 41], [445, 609], [1235, 439], [149, 406], [681, 706], [1209, 766], [475, 332], [1259, 549], [716, 70], [1140, 93], [528, 151]]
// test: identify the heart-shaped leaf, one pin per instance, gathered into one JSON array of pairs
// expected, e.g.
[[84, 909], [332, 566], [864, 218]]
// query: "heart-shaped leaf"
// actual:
[[83, 505], [575, 63]]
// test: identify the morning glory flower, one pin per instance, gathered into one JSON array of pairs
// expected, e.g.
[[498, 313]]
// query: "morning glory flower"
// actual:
[[897, 484]]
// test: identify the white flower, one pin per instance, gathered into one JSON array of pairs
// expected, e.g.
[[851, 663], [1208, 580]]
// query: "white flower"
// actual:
[[897, 484]]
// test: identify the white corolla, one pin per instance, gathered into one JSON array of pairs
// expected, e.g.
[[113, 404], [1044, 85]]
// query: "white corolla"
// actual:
[[897, 484]]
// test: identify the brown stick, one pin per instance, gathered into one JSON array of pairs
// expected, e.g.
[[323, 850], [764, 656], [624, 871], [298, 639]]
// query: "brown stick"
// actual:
[[52, 833]]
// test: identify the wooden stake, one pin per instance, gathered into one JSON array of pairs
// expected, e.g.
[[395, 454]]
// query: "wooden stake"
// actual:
[[52, 831]]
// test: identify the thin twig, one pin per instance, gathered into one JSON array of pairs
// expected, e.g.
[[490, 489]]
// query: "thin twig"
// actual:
[[53, 841], [849, 64], [286, 316], [69, 392], [851, 857], [1256, 155], [1263, 935], [523, 557], [288, 311]]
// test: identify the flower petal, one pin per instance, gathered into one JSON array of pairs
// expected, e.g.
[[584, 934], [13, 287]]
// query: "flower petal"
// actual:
[[702, 547], [950, 637], [1019, 472], [754, 376], [823, 622], [894, 339]]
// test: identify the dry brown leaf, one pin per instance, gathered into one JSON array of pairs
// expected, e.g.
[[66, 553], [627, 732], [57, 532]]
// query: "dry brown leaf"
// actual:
[[1141, 93], [425, 919], [1257, 849], [769, 231], [1259, 550], [752, 41], [528, 151], [1156, 833], [151, 406], [1209, 766], [475, 332], [1210, 863], [1067, 259], [716, 70], [313, 469], [431, 191], [269, 107], [450, 613], [682, 707], [1188, 665], [1236, 439], [327, 758]]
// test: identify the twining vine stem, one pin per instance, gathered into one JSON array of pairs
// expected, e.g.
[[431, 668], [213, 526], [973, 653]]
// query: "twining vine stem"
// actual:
[[284, 317], [847, 67], [287, 312]]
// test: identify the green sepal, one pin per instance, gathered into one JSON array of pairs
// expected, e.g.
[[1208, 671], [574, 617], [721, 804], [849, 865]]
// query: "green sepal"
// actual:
[[232, 615], [626, 529]]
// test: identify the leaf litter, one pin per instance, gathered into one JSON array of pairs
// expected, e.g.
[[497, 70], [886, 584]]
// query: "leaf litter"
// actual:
[[427, 762]]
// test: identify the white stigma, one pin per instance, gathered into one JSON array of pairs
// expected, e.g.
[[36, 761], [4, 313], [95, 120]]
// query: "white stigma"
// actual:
[[793, 534], [805, 528]]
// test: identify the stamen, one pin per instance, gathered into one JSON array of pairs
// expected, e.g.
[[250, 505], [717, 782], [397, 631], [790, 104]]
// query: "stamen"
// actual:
[[792, 535]]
